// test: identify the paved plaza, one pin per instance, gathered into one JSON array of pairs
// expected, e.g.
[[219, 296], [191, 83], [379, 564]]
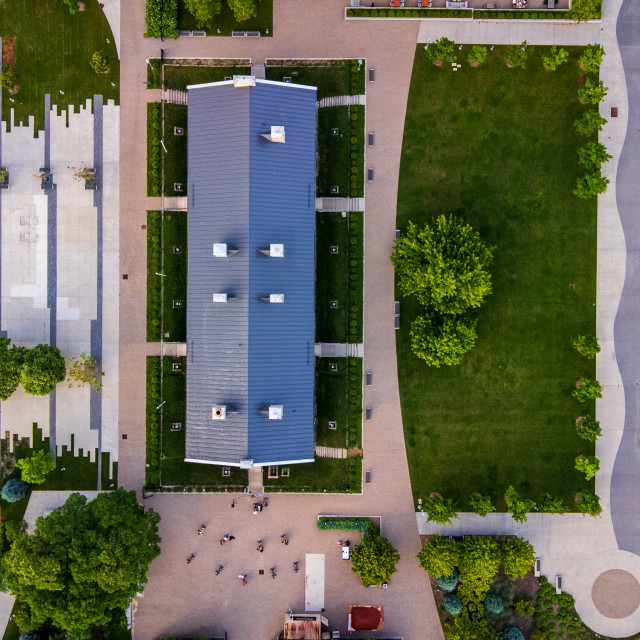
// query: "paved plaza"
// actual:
[[60, 253]]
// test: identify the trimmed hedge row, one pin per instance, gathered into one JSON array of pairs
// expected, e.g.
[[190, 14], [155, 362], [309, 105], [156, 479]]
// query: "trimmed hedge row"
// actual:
[[355, 474], [154, 159], [492, 14], [346, 524], [357, 79], [409, 13], [356, 276], [356, 150], [152, 468], [154, 284], [522, 14], [355, 402], [161, 18]]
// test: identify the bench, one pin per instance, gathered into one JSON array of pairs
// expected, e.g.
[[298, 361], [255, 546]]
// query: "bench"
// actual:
[[536, 568], [238, 34], [558, 585]]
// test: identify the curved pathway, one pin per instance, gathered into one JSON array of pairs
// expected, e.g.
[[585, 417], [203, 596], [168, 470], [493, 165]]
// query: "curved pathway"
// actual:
[[625, 498]]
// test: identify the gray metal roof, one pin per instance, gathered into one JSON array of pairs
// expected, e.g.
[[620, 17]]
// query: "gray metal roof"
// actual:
[[248, 192]]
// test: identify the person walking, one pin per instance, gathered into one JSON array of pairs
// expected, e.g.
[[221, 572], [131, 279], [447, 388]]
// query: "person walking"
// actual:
[[224, 539], [260, 548]]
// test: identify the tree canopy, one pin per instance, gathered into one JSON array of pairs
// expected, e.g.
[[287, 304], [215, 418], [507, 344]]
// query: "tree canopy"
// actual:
[[82, 562], [11, 361], [442, 340], [583, 10], [243, 9], [518, 506], [439, 556], [442, 49], [517, 557], [440, 510], [36, 468], [43, 368], [204, 11], [374, 560], [444, 265]]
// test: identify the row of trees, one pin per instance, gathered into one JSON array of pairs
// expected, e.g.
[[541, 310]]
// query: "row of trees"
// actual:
[[471, 566], [444, 265], [205, 11], [40, 369]]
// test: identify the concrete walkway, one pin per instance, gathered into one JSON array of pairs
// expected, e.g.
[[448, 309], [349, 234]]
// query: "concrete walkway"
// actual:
[[337, 350], [339, 204], [339, 101]]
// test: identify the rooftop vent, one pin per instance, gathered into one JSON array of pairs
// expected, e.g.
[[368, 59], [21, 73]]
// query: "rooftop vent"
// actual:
[[220, 250], [219, 413], [276, 250], [244, 81], [220, 297], [275, 135], [275, 411], [276, 297]]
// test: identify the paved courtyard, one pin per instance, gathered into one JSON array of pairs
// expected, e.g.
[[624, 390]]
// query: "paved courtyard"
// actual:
[[60, 251]]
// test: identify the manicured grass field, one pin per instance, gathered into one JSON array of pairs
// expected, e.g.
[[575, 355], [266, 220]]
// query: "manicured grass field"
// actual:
[[53, 50], [178, 77], [154, 265], [334, 130], [332, 405], [226, 23], [175, 159], [337, 278], [497, 147], [174, 265], [335, 475], [331, 77]]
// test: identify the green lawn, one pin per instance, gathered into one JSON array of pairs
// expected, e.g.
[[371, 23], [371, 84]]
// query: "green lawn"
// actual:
[[53, 50], [332, 77], [175, 159], [332, 405], [339, 277], [178, 77], [154, 149], [174, 267], [334, 131], [325, 474], [497, 147], [154, 266], [225, 22]]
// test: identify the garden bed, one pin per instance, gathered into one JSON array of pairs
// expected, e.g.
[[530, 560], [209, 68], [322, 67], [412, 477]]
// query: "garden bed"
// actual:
[[175, 158], [154, 151], [331, 77], [225, 22], [505, 416], [154, 285], [420, 13], [178, 74]]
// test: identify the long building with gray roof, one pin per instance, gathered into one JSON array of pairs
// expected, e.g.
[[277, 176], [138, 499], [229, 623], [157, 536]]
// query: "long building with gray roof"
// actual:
[[251, 256]]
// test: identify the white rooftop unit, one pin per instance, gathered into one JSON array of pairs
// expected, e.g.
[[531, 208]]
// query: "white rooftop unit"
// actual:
[[275, 134], [219, 412], [275, 411], [276, 297], [244, 81], [220, 250], [276, 250], [220, 297]]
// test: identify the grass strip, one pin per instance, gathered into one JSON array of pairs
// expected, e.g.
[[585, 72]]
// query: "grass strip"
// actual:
[[154, 73], [154, 266], [154, 162], [179, 76], [355, 403], [153, 400], [224, 23], [174, 265], [334, 133], [175, 158], [356, 276], [332, 402]]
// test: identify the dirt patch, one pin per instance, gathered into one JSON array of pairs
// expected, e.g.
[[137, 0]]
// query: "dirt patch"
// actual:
[[438, 63], [9, 52], [354, 451], [473, 63], [509, 64], [80, 6], [616, 593]]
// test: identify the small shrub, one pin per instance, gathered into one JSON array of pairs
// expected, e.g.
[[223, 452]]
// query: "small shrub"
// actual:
[[536, 634], [589, 390], [589, 465], [524, 608], [482, 506], [590, 122], [29, 635], [516, 55], [518, 507], [452, 604], [589, 503], [592, 184], [592, 92], [493, 604], [440, 510], [512, 634], [100, 62], [591, 59], [448, 583], [442, 49], [478, 53], [14, 490], [587, 345], [552, 504], [557, 56]]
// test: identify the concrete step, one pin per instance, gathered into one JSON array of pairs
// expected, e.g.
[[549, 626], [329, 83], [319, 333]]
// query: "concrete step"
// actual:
[[330, 452]]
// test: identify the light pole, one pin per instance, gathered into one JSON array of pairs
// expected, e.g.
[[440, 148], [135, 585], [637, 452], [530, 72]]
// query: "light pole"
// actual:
[[163, 402]]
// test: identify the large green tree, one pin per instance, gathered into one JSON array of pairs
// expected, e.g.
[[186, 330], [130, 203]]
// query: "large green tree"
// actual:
[[517, 557], [480, 557], [440, 510], [243, 9], [82, 562], [374, 560], [583, 10], [444, 265], [36, 468], [204, 11], [442, 340], [439, 556], [43, 368], [11, 361]]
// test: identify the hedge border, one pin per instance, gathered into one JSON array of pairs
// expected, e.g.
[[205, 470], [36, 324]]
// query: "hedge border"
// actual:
[[356, 150], [346, 524], [466, 14], [154, 284], [152, 445], [356, 276]]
